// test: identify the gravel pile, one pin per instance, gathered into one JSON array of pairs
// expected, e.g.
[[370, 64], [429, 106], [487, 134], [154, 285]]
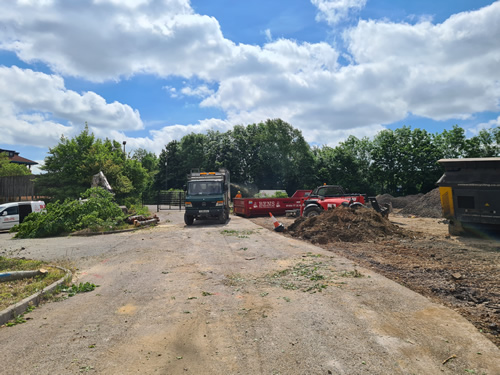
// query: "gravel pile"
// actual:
[[428, 205]]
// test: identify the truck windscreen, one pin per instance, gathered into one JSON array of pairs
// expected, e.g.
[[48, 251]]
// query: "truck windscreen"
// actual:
[[205, 188]]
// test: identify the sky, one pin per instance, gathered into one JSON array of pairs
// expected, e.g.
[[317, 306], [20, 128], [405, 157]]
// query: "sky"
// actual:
[[151, 71]]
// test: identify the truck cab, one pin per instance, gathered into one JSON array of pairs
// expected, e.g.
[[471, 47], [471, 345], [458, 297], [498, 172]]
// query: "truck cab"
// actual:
[[207, 196]]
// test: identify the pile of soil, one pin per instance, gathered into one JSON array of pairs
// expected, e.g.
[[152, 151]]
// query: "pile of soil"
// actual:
[[398, 202], [428, 205], [345, 224]]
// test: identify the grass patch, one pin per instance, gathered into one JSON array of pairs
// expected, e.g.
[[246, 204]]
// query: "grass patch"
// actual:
[[310, 275], [237, 233], [234, 279], [80, 288], [303, 276], [12, 292], [354, 273]]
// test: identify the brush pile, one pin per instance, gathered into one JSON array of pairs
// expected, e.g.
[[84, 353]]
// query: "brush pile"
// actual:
[[345, 224]]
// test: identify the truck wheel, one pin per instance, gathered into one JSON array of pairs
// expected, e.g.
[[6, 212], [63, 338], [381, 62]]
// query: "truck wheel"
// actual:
[[188, 219], [455, 228], [357, 205], [312, 211], [223, 217]]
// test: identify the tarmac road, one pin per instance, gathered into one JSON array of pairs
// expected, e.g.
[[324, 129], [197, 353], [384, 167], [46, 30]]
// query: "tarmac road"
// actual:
[[231, 299]]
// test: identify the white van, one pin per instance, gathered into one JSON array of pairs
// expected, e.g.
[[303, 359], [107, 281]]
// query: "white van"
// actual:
[[14, 213]]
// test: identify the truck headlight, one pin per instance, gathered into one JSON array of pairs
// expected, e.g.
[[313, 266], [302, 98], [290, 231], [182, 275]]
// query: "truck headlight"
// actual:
[[219, 204], [188, 204]]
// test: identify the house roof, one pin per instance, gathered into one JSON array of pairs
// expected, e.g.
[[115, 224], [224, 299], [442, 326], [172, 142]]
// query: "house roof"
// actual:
[[20, 160], [15, 158]]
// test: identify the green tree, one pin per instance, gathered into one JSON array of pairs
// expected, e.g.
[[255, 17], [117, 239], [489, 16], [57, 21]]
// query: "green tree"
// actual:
[[386, 167], [149, 162], [284, 158], [483, 144], [11, 169], [171, 166], [451, 143], [192, 150], [72, 163]]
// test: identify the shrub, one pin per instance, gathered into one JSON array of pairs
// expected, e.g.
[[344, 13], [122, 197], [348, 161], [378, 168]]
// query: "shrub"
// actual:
[[97, 211]]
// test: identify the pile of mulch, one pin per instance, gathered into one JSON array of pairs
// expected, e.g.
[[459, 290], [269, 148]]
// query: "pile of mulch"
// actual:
[[345, 224], [428, 205]]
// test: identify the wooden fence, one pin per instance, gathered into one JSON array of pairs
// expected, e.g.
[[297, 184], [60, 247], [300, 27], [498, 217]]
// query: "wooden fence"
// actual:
[[17, 188]]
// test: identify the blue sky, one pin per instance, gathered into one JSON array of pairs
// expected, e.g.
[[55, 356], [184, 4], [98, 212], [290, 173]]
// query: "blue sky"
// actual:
[[150, 71]]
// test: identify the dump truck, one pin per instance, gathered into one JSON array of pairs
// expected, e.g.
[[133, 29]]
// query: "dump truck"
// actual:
[[470, 193], [207, 196]]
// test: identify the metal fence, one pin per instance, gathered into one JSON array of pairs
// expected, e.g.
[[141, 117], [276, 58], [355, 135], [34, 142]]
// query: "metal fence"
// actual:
[[17, 188], [167, 200]]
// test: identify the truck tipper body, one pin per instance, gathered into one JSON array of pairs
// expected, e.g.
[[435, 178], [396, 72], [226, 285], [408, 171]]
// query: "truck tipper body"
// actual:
[[207, 196], [470, 193]]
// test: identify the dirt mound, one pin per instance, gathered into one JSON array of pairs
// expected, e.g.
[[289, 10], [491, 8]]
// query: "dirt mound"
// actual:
[[345, 225], [398, 202], [428, 205]]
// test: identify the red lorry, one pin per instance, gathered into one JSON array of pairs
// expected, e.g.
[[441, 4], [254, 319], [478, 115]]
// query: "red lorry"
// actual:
[[262, 206], [305, 203]]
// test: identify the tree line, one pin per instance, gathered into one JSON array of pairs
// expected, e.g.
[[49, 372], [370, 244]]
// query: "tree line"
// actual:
[[267, 155], [274, 155]]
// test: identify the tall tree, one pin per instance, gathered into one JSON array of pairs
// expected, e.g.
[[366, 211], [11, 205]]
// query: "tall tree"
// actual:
[[386, 166], [171, 168], [72, 163]]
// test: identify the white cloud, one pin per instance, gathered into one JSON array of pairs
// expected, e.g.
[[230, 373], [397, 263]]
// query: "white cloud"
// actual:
[[495, 123], [159, 138], [172, 91], [333, 11], [449, 70], [439, 71], [111, 39], [201, 91], [269, 35], [32, 105]]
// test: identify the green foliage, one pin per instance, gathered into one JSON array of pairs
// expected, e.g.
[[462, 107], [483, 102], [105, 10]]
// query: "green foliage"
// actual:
[[11, 169], [17, 264], [80, 288], [268, 155], [72, 163], [96, 212], [280, 194], [138, 210], [272, 155]]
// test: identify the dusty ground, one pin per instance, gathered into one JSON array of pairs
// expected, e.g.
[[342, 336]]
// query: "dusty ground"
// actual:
[[232, 299], [458, 272]]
